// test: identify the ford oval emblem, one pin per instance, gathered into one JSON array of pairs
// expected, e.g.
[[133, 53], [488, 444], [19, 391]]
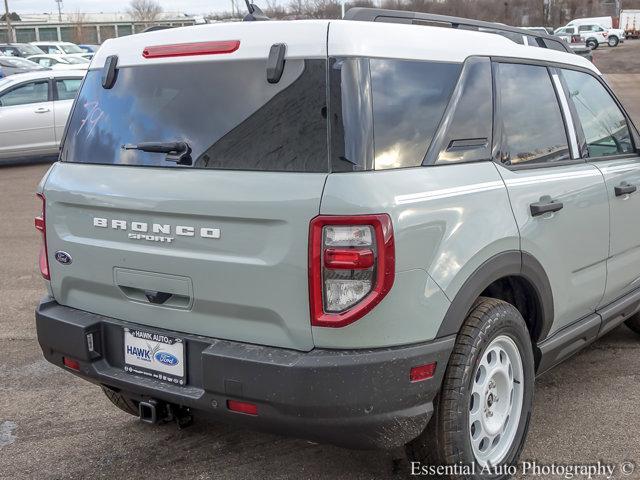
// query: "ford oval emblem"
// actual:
[[63, 257], [166, 358]]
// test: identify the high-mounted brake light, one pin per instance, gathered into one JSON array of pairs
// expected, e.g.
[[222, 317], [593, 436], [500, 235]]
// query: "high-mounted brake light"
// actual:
[[41, 226], [351, 266], [188, 49]]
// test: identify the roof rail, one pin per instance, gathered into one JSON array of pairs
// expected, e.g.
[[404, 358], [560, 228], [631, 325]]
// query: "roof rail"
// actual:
[[518, 35]]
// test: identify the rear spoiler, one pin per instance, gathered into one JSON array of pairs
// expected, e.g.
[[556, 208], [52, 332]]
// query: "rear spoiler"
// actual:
[[418, 18]]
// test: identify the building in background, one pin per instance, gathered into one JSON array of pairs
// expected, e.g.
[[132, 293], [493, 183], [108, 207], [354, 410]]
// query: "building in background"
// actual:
[[88, 28]]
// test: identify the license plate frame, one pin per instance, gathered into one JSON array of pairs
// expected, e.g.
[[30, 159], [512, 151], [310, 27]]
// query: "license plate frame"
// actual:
[[155, 355]]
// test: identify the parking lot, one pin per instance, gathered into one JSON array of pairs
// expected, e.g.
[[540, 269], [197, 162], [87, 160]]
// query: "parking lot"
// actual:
[[55, 426]]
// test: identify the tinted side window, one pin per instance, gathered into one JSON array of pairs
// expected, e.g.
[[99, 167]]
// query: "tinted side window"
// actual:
[[604, 125], [33, 92], [532, 125], [409, 99], [67, 88]]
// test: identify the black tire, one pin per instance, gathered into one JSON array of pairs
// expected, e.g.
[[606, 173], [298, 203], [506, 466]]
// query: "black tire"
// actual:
[[125, 404], [446, 440], [592, 43], [613, 41], [634, 323]]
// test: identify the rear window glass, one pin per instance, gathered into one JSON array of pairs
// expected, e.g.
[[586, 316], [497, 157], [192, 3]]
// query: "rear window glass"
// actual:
[[226, 112]]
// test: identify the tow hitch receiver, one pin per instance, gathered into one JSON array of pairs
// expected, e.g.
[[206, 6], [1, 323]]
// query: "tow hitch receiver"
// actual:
[[154, 412]]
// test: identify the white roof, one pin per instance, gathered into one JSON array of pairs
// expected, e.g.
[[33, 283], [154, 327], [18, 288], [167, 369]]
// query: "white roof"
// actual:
[[308, 39]]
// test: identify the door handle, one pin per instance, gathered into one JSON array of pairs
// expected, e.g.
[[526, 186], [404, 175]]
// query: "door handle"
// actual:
[[624, 189], [545, 205], [41, 110]]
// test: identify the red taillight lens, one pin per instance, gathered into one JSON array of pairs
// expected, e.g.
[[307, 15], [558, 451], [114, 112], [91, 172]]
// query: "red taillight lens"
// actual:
[[242, 407], [422, 372], [70, 363], [351, 267], [188, 49], [41, 226], [345, 259]]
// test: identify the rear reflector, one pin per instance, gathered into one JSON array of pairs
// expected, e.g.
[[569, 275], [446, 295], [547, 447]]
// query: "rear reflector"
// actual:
[[242, 407], [72, 364], [188, 49], [422, 372]]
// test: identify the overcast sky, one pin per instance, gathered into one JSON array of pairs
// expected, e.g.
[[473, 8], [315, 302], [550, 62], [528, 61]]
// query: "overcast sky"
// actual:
[[71, 6]]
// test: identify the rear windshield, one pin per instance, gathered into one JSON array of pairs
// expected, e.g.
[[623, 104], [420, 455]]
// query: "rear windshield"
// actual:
[[226, 112]]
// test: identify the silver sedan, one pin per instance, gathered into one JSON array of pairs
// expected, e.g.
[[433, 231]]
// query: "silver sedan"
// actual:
[[33, 112]]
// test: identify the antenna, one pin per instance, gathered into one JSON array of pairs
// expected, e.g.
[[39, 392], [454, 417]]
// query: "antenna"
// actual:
[[255, 14]]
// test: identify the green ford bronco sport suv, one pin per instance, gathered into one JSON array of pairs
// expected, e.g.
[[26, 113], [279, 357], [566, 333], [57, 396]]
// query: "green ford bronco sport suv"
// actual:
[[372, 232]]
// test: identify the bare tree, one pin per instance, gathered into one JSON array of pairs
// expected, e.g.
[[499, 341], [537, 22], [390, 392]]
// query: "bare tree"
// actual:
[[78, 21], [146, 11]]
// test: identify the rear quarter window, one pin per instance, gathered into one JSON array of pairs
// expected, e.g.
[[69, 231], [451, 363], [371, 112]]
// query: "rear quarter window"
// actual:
[[385, 112]]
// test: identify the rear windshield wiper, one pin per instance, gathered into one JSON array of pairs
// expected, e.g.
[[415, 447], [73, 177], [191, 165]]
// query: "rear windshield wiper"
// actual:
[[179, 152]]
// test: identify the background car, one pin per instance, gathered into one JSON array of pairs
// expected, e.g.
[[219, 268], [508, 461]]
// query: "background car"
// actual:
[[61, 62], [33, 112], [13, 65], [19, 49], [59, 48], [89, 48]]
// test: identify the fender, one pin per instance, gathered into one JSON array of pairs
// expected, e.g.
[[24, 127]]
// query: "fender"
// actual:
[[509, 263]]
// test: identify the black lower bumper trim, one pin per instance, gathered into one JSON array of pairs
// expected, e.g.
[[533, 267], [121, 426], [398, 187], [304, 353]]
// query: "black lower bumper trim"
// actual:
[[351, 398]]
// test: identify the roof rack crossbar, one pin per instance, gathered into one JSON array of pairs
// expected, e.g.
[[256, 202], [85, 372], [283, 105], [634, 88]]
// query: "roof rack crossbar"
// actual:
[[418, 18]]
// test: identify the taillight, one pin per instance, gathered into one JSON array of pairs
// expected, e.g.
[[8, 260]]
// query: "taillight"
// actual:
[[41, 226], [351, 267]]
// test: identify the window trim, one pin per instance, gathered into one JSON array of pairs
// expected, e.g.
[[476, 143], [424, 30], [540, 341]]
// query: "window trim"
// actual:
[[567, 115], [25, 82], [498, 134]]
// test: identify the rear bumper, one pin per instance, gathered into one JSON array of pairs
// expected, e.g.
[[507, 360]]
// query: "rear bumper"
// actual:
[[351, 398]]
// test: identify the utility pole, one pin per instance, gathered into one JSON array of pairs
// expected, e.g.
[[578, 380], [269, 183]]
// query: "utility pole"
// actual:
[[59, 2], [7, 18]]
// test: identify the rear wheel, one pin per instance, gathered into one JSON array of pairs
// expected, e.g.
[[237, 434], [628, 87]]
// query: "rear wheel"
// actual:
[[592, 43], [634, 323], [482, 416], [122, 402], [613, 41]]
